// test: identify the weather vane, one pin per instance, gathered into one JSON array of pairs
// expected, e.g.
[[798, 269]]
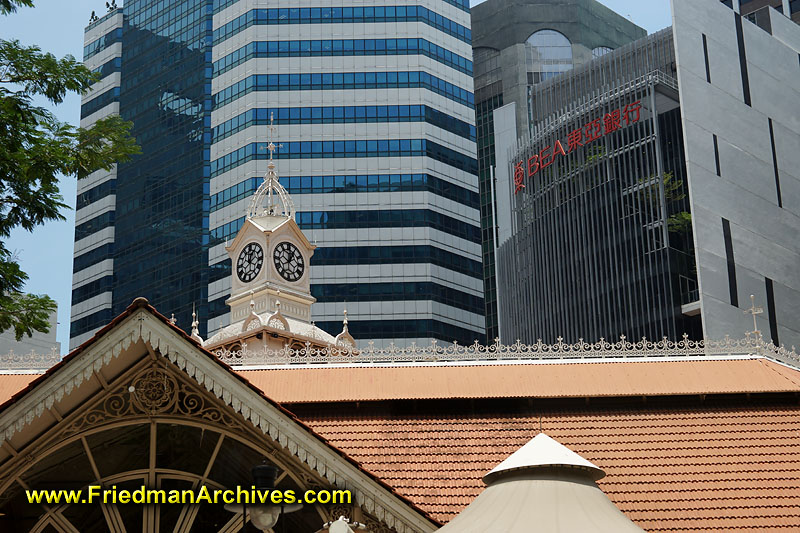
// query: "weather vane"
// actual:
[[271, 147]]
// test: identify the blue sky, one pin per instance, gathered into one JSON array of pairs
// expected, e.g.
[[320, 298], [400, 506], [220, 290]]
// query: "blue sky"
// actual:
[[57, 26]]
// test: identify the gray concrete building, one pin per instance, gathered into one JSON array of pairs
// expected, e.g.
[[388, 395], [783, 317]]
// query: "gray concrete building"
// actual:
[[718, 156], [39, 343], [516, 45], [740, 104]]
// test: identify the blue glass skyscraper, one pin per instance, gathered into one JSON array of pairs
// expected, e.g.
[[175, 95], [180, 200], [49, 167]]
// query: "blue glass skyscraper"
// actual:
[[142, 229], [374, 109]]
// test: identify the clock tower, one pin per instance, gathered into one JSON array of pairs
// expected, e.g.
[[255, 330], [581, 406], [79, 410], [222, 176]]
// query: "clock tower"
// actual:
[[270, 256], [271, 297]]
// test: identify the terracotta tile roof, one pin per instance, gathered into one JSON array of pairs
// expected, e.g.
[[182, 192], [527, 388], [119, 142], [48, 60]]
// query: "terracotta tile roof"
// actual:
[[10, 384], [554, 380], [567, 380], [728, 468], [690, 469]]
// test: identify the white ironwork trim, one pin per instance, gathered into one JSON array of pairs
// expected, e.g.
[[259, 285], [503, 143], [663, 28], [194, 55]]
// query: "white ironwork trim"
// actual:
[[561, 352], [28, 363]]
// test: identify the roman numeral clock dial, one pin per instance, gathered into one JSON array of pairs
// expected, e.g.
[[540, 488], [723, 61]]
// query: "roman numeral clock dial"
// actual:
[[288, 261], [249, 263]]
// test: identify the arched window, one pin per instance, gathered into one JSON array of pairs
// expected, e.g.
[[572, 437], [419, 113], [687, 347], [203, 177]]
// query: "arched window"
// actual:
[[551, 46], [549, 53], [601, 51]]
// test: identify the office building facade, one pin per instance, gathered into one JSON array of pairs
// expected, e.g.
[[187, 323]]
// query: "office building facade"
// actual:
[[516, 46], [638, 209], [373, 112], [601, 240], [142, 228]]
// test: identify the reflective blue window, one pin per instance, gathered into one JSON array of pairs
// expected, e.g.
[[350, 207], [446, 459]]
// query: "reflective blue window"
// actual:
[[341, 149], [98, 45], [388, 218], [398, 291], [94, 225], [403, 329], [100, 101], [344, 114], [109, 67], [342, 14], [340, 48], [87, 259], [350, 80], [90, 322], [96, 193]]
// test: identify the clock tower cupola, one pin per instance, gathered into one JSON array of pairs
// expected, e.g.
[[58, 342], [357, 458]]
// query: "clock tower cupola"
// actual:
[[270, 255], [271, 297]]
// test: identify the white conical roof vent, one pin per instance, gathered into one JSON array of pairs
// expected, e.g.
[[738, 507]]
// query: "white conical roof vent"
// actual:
[[543, 487], [542, 451]]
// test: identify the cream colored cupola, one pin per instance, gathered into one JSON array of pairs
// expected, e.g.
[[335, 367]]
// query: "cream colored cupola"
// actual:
[[270, 298], [270, 254]]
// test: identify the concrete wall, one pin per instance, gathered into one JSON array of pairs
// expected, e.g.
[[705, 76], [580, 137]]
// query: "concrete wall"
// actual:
[[505, 25], [40, 343], [754, 80]]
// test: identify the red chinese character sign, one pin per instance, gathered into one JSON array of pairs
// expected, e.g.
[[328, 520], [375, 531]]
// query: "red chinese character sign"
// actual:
[[597, 128]]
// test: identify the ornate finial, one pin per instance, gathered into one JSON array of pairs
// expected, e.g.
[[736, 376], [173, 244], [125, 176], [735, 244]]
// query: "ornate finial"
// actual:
[[344, 338], [263, 202], [271, 147], [172, 319], [277, 305], [754, 311], [195, 331]]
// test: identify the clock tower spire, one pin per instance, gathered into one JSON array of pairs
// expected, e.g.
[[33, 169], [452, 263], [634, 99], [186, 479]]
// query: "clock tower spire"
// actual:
[[270, 255]]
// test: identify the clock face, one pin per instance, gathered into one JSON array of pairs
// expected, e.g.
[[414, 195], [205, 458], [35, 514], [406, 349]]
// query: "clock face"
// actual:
[[249, 263], [288, 261]]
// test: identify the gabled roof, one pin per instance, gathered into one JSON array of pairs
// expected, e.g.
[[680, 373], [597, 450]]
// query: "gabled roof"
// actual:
[[586, 379], [695, 462], [141, 322]]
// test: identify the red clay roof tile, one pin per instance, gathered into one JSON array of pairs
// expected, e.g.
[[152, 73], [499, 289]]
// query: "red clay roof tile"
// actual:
[[677, 469]]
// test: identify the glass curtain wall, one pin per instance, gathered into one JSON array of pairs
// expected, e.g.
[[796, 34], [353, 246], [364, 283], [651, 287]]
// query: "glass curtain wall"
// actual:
[[602, 243]]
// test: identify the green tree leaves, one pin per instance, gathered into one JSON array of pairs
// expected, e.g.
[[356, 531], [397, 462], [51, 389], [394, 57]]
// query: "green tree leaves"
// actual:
[[35, 149], [9, 6]]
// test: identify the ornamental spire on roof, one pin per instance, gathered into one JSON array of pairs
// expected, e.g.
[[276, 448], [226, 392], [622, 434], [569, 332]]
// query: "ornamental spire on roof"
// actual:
[[754, 311], [271, 192]]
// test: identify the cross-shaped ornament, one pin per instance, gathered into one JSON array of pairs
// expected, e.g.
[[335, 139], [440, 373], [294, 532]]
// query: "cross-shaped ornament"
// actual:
[[754, 311], [271, 147]]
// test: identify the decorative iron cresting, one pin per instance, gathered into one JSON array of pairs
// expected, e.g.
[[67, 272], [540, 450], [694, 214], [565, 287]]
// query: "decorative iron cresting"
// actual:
[[751, 345], [31, 361]]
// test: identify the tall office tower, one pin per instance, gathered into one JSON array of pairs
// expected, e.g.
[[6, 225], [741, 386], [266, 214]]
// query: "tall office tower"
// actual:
[[373, 112], [142, 229], [657, 193], [518, 45], [373, 109]]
